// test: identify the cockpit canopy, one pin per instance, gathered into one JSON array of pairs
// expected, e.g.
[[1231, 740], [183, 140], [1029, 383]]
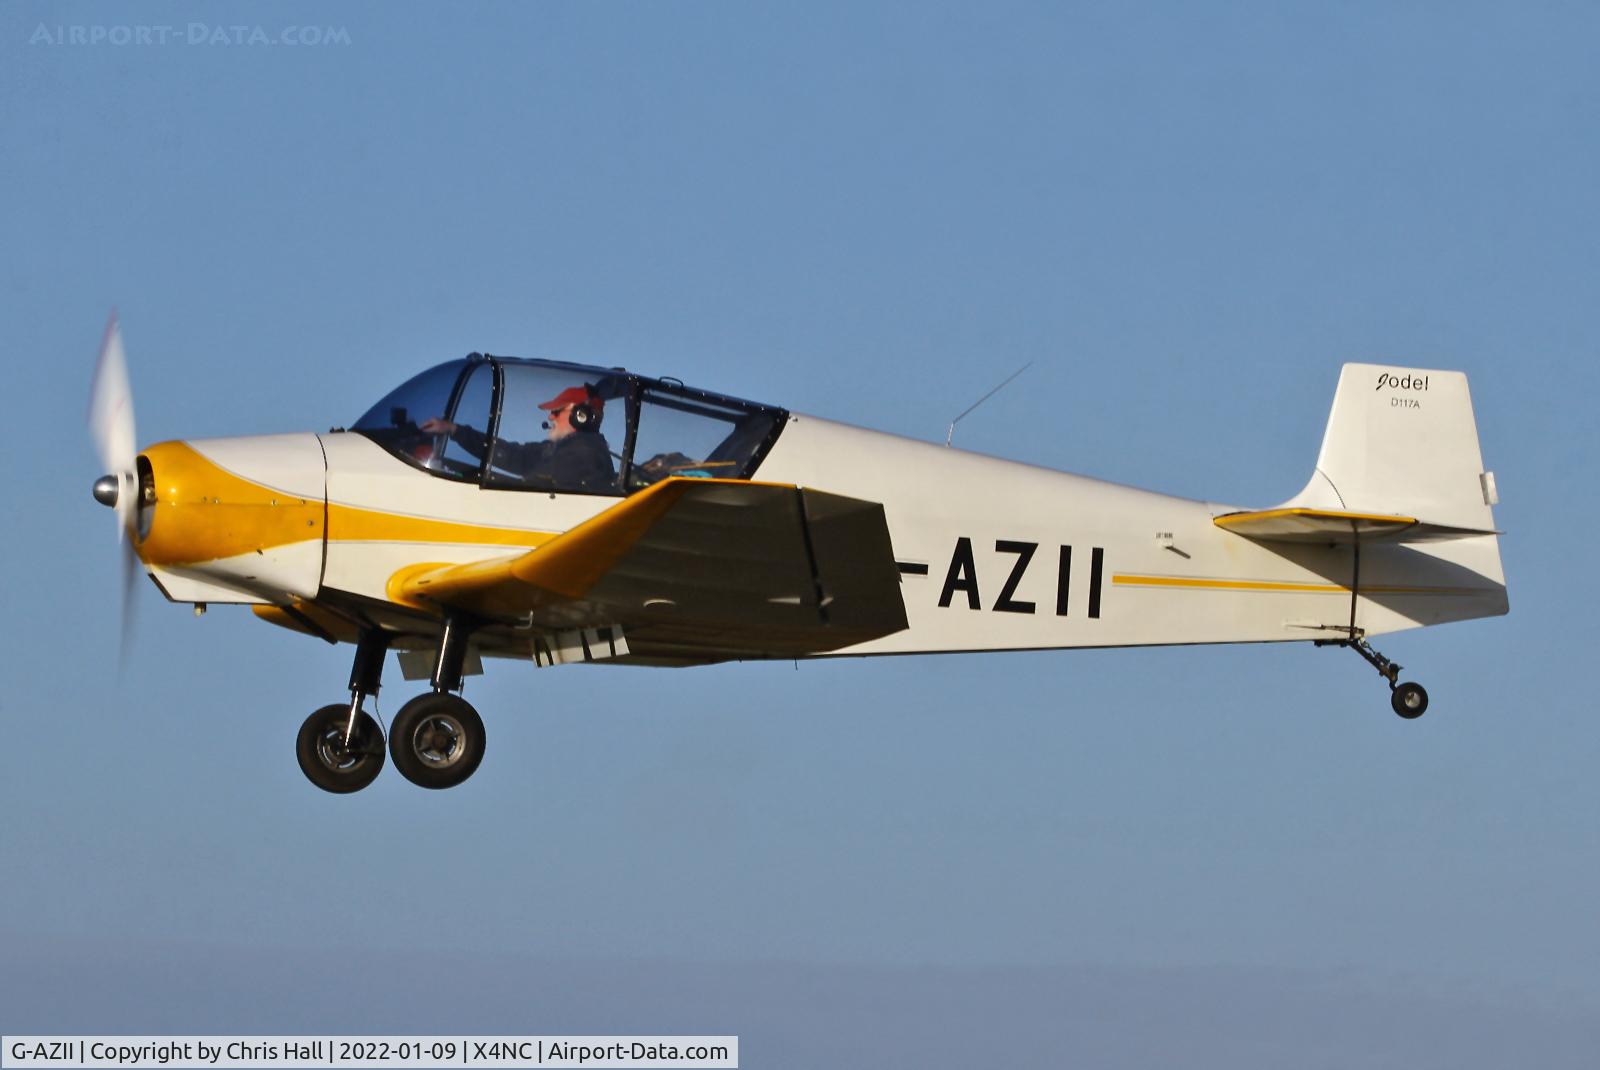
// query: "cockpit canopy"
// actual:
[[517, 424]]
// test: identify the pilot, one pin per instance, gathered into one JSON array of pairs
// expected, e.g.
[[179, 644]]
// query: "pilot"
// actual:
[[574, 455]]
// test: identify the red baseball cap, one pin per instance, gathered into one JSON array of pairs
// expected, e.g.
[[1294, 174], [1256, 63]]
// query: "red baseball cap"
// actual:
[[576, 395]]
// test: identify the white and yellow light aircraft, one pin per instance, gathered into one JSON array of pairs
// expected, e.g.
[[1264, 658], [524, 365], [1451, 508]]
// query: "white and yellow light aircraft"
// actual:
[[558, 513]]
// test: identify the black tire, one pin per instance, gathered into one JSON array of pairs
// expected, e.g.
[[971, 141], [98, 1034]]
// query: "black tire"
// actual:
[[1409, 701], [436, 740], [327, 762]]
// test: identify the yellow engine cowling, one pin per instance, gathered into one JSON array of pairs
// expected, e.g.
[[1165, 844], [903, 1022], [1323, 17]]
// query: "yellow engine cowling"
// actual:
[[235, 519]]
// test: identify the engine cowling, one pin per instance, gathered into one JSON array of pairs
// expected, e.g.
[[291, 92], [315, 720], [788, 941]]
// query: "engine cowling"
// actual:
[[234, 519]]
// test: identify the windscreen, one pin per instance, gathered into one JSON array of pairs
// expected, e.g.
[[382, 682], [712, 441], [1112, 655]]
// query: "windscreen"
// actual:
[[408, 421]]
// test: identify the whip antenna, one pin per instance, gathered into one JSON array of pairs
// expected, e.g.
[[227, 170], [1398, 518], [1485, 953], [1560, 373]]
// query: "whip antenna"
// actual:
[[949, 434]]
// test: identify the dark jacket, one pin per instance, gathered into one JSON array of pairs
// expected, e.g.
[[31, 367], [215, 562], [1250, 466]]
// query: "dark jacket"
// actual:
[[579, 461]]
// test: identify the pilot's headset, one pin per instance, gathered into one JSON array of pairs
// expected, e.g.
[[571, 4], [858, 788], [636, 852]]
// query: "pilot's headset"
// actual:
[[585, 415], [584, 405]]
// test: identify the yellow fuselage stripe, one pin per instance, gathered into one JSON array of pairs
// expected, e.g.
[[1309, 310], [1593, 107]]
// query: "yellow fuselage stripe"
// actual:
[[352, 523], [204, 513], [1124, 579], [1127, 580]]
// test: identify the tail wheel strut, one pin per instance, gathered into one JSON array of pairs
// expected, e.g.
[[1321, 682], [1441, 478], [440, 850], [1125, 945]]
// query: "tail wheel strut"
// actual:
[[1409, 700]]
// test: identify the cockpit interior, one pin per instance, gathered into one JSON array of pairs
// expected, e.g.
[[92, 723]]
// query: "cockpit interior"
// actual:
[[515, 424]]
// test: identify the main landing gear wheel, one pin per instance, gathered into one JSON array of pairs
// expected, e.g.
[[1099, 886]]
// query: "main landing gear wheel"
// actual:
[[436, 740], [330, 763], [1409, 700]]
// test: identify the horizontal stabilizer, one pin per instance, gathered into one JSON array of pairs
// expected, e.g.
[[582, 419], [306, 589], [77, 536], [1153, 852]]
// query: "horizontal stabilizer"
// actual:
[[698, 569], [1329, 525]]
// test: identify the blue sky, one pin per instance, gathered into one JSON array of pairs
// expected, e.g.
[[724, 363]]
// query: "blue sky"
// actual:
[[1187, 217]]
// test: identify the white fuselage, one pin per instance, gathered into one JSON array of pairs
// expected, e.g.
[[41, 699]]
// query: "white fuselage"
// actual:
[[993, 554], [1167, 573]]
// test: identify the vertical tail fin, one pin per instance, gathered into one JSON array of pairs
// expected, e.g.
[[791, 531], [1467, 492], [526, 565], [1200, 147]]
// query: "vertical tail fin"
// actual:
[[1402, 440]]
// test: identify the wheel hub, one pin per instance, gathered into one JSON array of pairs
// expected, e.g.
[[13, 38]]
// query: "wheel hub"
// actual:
[[335, 754], [437, 740]]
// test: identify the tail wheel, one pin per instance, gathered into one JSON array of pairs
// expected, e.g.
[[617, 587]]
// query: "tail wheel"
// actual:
[[328, 761], [436, 740], [1409, 700]]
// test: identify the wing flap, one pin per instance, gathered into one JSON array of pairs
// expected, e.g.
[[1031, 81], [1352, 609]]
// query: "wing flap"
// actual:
[[724, 567], [1328, 525]]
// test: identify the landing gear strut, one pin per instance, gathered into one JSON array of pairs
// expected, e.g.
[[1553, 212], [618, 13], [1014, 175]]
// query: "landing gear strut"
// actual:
[[437, 739], [340, 747], [1407, 699]]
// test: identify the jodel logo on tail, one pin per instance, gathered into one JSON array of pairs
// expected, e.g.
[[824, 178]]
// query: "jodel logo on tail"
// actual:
[[1402, 382]]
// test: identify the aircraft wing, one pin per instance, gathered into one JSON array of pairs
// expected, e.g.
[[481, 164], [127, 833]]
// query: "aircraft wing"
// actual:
[[697, 570], [1327, 525]]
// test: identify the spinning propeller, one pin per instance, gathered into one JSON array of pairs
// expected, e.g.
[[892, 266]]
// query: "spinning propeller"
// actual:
[[111, 426]]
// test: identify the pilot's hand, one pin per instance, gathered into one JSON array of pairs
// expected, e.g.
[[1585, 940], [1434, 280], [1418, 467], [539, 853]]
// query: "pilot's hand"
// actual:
[[437, 426]]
